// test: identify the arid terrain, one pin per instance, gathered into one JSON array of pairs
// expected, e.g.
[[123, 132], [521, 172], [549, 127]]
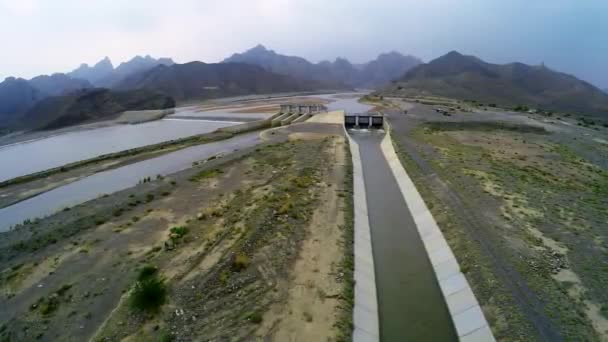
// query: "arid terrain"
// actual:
[[522, 200], [250, 171], [27, 186], [256, 243]]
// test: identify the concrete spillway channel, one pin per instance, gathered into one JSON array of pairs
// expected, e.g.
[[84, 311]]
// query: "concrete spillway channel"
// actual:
[[421, 293]]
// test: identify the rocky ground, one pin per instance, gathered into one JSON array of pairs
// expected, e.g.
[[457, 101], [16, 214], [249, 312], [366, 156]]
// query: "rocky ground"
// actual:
[[256, 244], [522, 200]]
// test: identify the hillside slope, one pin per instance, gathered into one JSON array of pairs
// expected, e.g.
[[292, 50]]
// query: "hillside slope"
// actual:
[[467, 77], [385, 68], [16, 95], [58, 84], [197, 80], [86, 105]]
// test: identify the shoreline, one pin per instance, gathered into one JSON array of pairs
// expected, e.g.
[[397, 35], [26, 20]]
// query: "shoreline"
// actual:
[[189, 141]]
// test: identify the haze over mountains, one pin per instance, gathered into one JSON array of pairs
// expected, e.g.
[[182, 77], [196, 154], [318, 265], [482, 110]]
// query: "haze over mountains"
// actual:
[[260, 70], [193, 81], [468, 77], [103, 74], [198, 80], [38, 103], [18, 95], [95, 73], [339, 72]]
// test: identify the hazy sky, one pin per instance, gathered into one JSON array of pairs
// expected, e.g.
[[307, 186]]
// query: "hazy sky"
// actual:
[[44, 36]]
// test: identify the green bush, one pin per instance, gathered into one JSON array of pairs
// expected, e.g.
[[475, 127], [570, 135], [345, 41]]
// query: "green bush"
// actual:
[[255, 317], [206, 174], [147, 272], [63, 289], [165, 336], [49, 305], [178, 232], [240, 262], [149, 294], [521, 108]]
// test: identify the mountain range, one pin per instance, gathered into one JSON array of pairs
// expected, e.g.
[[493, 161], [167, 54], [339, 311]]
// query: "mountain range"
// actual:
[[95, 73], [337, 73], [260, 70], [257, 70], [18, 96], [468, 77], [198, 80], [103, 74]]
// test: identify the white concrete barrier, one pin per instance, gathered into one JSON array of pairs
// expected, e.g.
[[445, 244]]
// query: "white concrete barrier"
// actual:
[[289, 119], [277, 120], [468, 319], [302, 118], [274, 116]]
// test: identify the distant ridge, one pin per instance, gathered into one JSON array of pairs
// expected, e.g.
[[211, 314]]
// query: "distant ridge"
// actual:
[[103, 73], [386, 67], [468, 77], [198, 80], [18, 95], [58, 84], [339, 72]]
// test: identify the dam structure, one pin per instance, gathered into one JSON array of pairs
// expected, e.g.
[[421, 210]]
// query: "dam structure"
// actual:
[[294, 113]]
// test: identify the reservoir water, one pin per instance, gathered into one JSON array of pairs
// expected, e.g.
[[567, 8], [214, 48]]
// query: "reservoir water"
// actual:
[[46, 153], [347, 102], [56, 150], [118, 179]]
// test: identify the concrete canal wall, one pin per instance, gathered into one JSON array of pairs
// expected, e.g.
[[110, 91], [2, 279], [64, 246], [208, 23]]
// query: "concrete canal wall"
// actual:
[[467, 316], [365, 311], [366, 327]]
